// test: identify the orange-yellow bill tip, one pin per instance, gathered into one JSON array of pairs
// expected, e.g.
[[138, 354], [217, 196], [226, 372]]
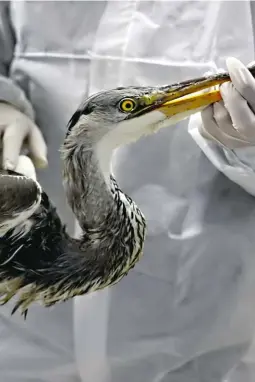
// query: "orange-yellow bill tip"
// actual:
[[194, 101]]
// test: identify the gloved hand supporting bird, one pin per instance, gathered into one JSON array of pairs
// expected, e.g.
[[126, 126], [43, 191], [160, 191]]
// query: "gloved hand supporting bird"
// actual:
[[19, 133]]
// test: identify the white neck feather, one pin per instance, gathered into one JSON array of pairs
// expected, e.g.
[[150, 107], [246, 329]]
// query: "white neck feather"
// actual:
[[129, 131]]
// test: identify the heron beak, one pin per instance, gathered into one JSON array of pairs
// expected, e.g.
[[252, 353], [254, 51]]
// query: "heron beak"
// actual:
[[190, 96], [190, 103]]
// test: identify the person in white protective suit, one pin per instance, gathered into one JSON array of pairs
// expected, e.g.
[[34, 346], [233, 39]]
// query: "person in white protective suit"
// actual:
[[186, 313]]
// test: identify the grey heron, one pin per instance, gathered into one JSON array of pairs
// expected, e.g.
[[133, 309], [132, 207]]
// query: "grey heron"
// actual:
[[39, 260]]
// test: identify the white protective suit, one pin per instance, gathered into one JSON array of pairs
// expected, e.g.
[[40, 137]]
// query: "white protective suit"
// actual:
[[186, 313]]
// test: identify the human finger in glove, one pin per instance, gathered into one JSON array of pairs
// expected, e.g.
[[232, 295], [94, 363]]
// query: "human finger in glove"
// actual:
[[18, 131], [231, 122]]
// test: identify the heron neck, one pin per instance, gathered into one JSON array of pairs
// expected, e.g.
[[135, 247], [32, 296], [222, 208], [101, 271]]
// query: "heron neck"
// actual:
[[87, 191]]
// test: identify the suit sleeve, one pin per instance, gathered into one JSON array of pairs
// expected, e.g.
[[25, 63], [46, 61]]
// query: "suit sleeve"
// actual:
[[10, 92]]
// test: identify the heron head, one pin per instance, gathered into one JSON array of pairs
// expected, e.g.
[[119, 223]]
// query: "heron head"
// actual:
[[111, 118], [125, 114]]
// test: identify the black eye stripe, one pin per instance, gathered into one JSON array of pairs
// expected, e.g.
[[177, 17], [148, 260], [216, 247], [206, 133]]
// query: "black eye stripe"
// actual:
[[74, 119], [88, 110], [76, 116]]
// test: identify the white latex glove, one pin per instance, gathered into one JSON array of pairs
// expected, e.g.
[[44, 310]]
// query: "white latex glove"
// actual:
[[19, 131], [231, 122]]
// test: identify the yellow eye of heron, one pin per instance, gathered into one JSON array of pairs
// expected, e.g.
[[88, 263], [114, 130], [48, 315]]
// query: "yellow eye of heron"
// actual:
[[127, 105]]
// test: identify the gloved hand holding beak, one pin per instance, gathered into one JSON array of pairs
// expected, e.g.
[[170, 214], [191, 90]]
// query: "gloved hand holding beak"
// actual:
[[231, 122]]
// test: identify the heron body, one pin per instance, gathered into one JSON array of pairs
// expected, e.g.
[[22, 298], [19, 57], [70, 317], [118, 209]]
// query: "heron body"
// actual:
[[43, 263], [39, 260]]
